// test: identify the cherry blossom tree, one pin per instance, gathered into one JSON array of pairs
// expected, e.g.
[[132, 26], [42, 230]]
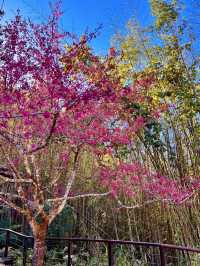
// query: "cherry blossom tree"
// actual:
[[51, 111]]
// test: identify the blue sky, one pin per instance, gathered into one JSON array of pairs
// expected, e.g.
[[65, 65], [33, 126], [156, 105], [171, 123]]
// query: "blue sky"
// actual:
[[82, 14]]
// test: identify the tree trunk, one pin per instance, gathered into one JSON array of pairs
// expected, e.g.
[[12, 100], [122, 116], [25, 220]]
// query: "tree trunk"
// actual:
[[39, 249]]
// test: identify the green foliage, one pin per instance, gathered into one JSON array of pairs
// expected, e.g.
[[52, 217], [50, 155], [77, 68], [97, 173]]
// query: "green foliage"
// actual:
[[63, 223], [152, 133], [170, 144], [164, 12]]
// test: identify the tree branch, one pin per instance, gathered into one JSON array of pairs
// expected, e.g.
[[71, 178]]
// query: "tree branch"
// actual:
[[123, 206], [89, 195], [46, 142], [8, 180], [5, 172], [12, 205]]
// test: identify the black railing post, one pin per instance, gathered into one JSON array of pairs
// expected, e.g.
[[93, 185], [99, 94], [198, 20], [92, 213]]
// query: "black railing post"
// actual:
[[162, 256], [110, 254], [69, 254], [24, 251], [7, 243]]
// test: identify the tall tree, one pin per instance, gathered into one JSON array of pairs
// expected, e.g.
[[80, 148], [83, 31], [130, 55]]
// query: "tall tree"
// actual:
[[167, 52], [52, 110]]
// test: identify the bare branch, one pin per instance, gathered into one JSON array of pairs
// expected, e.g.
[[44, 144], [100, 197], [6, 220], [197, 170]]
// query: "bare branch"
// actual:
[[19, 187], [8, 180], [10, 195], [137, 206], [9, 177], [169, 201], [12, 205], [57, 210], [47, 140], [89, 195]]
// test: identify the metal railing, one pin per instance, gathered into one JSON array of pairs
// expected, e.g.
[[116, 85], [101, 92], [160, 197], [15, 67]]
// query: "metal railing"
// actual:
[[29, 241]]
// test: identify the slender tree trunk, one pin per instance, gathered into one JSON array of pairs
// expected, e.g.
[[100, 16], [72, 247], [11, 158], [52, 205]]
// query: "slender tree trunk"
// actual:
[[39, 249]]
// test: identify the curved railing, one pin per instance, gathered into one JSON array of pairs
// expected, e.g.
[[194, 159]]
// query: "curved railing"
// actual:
[[29, 241]]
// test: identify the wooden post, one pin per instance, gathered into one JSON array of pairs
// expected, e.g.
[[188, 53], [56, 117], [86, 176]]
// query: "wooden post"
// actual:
[[24, 251], [7, 243], [110, 255], [162, 256], [69, 254]]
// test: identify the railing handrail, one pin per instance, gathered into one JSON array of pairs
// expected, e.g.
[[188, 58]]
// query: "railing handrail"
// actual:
[[162, 247], [126, 242], [15, 233]]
